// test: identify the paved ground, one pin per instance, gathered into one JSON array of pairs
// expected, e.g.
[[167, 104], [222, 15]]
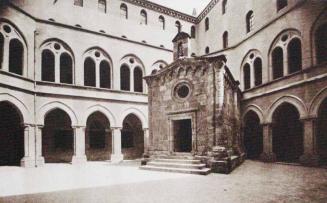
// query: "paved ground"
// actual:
[[102, 182]]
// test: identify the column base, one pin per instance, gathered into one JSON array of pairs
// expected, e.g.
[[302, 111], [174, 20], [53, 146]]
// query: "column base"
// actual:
[[309, 159], [268, 157], [76, 160], [40, 161], [27, 162], [116, 158]]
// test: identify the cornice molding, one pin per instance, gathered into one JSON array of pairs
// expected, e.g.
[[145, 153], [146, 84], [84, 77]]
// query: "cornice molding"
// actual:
[[206, 10]]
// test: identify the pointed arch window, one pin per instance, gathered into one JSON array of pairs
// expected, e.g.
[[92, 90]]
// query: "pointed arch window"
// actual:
[[257, 71], [193, 32], [66, 68], [105, 75], [138, 80], [247, 76], [102, 6], [321, 44], [277, 63], [144, 17], [1, 49], [162, 22], [16, 56], [249, 21], [89, 72], [125, 78], [178, 26], [294, 50], [123, 11], [225, 40], [48, 66]]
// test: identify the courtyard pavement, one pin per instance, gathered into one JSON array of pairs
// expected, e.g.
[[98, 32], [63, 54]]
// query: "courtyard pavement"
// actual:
[[104, 182]]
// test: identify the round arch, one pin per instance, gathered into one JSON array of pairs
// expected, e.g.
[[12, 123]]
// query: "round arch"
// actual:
[[138, 113], [297, 102], [46, 108], [99, 108], [256, 109], [19, 105], [316, 102]]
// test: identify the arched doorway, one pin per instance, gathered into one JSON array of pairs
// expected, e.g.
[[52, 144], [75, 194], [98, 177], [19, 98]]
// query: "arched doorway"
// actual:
[[98, 137], [287, 133], [132, 137], [253, 137], [57, 137], [11, 135], [322, 132]]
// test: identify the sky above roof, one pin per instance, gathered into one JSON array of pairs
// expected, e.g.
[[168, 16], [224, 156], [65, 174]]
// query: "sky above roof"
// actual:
[[185, 6]]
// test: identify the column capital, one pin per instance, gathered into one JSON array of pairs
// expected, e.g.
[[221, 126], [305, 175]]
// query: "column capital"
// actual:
[[116, 128], [39, 126], [78, 126], [308, 118], [266, 124]]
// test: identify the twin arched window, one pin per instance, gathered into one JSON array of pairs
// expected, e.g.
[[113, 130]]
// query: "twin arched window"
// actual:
[[144, 17], [249, 21], [252, 70], [51, 51], [97, 71], [162, 22], [131, 74]]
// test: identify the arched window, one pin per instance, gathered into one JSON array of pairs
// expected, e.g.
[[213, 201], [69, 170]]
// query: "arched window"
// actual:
[[105, 79], [281, 4], [249, 21], [224, 6], [89, 72], [257, 71], [78, 2], [138, 80], [247, 76], [162, 22], [178, 26], [294, 55], [207, 51], [225, 40], [16, 57], [277, 63], [207, 24], [144, 18], [1, 49], [66, 68], [321, 43], [48, 66], [125, 83], [102, 6], [180, 51], [193, 32], [123, 11]]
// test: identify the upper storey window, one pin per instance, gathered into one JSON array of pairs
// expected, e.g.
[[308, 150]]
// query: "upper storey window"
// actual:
[[224, 6], [321, 43], [281, 4], [193, 32], [178, 26], [249, 21], [78, 2], [225, 40], [162, 22], [102, 6], [207, 24], [123, 11], [144, 17], [207, 50]]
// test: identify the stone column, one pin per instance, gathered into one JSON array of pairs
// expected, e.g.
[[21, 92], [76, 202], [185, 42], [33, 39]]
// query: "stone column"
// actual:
[[310, 156], [285, 63], [57, 68], [146, 140], [267, 154], [28, 160], [116, 155], [97, 74], [38, 144], [79, 145], [252, 77], [132, 79]]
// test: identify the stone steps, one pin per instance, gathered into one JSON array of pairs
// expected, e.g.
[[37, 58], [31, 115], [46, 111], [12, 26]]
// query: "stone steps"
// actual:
[[177, 165]]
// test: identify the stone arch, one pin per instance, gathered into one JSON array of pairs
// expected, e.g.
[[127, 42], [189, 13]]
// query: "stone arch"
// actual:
[[99, 108], [297, 102], [138, 113], [48, 107], [316, 102], [137, 60], [107, 56], [66, 46], [19, 105], [256, 109]]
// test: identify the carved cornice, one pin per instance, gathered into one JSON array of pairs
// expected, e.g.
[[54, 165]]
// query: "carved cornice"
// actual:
[[163, 10], [206, 10]]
